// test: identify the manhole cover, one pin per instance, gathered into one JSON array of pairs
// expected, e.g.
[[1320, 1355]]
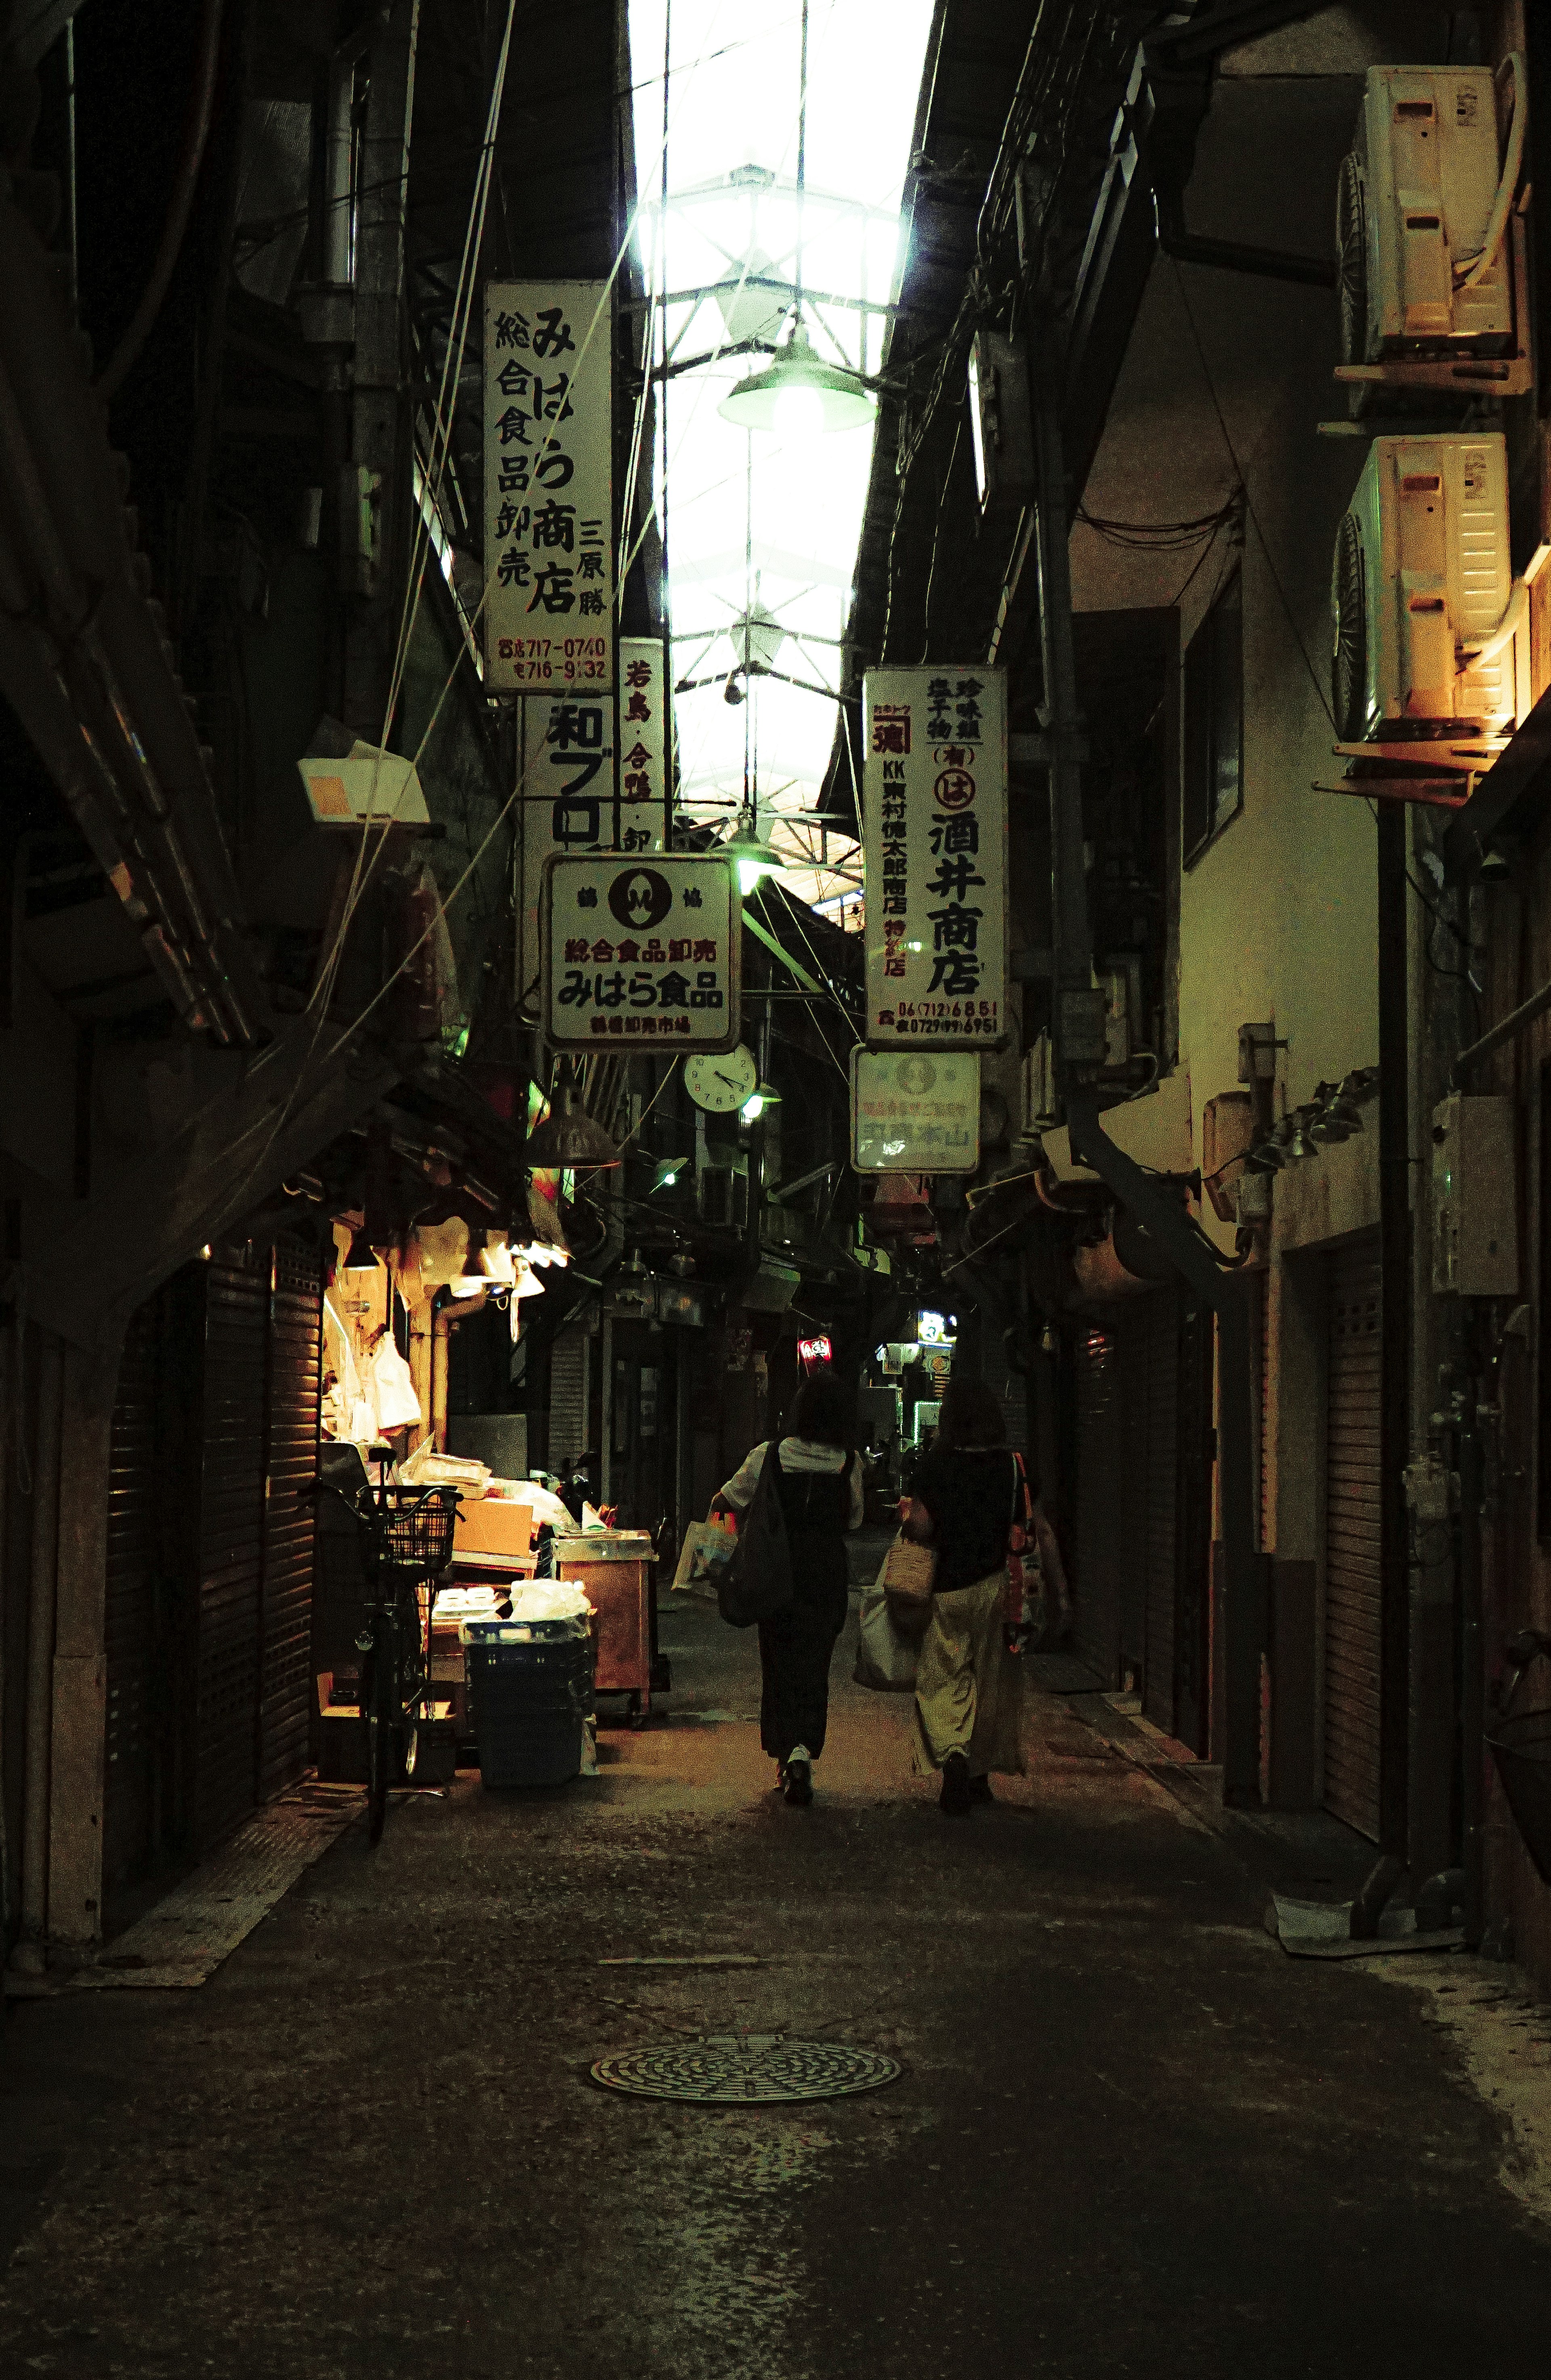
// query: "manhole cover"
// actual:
[[742, 2067]]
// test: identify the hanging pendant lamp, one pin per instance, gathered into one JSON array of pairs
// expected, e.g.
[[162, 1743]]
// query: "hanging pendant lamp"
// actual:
[[756, 858], [798, 393], [569, 1141]]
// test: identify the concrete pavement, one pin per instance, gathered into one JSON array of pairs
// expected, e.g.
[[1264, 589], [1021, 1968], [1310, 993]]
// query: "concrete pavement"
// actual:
[[1133, 2136]]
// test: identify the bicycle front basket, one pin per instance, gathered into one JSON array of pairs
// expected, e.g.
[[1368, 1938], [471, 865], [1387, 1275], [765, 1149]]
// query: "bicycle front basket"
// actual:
[[419, 1527]]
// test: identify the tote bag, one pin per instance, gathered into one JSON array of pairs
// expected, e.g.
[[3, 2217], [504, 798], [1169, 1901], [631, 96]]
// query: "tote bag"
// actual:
[[885, 1659], [757, 1584]]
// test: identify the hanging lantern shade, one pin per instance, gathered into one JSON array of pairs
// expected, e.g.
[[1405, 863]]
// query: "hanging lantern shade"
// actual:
[[569, 1141], [799, 384]]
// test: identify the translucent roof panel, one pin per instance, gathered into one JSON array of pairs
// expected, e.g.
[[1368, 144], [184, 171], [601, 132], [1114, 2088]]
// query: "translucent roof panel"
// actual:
[[763, 527]]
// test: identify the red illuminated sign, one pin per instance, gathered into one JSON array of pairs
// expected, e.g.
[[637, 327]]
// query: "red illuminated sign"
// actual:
[[813, 1350]]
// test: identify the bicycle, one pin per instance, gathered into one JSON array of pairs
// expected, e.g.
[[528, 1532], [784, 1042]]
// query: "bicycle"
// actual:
[[406, 1540]]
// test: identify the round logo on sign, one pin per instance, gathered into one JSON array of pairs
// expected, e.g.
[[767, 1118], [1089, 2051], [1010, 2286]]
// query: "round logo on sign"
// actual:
[[954, 790], [641, 898], [915, 1076]]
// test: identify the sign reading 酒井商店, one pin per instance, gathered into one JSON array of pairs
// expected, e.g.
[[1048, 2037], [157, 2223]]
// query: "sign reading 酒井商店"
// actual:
[[641, 950], [548, 502], [935, 854]]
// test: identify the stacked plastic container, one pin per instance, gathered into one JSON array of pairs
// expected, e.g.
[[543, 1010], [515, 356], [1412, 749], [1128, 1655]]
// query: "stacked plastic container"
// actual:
[[529, 1694]]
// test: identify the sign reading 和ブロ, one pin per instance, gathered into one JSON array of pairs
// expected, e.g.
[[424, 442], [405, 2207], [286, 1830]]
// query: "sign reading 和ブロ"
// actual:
[[935, 854], [643, 949], [912, 1112], [592, 781], [548, 502]]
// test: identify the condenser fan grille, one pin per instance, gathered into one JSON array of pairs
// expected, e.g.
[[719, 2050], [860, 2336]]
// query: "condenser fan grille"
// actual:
[[1349, 664], [1351, 262]]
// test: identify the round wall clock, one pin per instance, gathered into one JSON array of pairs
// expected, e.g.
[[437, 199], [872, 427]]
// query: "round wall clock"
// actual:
[[721, 1080]]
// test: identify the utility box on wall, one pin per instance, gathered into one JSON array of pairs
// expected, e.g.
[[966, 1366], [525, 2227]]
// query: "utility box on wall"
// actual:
[[1475, 1216]]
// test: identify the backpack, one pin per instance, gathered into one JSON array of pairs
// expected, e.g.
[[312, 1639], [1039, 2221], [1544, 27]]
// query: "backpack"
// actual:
[[757, 1584]]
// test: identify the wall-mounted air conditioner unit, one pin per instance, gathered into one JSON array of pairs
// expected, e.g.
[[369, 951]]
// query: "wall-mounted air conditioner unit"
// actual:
[[1431, 633], [1430, 250]]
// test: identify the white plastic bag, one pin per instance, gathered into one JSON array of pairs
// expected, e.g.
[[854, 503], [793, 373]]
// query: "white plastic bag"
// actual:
[[397, 1406], [885, 1659]]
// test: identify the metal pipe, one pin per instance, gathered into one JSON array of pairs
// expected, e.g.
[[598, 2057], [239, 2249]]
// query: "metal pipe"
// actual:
[[1516, 1022], [1395, 1226], [1472, 1671], [338, 145], [179, 204], [42, 1602], [441, 1352]]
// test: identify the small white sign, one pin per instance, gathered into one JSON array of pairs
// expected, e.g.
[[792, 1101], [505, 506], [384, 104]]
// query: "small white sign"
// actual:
[[933, 845], [646, 742], [548, 616], [645, 951], [911, 1114]]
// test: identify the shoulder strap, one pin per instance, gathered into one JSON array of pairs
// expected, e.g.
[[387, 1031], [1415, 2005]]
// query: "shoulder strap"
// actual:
[[772, 1453]]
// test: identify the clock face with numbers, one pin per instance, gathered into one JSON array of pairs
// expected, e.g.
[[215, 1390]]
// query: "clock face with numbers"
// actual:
[[722, 1081]]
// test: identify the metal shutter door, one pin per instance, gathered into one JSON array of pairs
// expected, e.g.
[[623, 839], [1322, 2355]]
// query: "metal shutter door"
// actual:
[[1351, 1537], [567, 1399], [231, 1548], [1095, 1619], [292, 1399], [1156, 1463], [130, 1616]]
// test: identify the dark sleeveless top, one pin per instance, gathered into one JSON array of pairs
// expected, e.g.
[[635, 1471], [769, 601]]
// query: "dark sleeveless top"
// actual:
[[816, 1506], [969, 1493]]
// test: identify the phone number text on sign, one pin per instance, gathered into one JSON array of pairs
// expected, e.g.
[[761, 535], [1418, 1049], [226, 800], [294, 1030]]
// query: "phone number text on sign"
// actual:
[[535, 660]]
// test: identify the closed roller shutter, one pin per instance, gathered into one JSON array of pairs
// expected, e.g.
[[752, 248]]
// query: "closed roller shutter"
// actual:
[[1096, 1618], [567, 1399], [1157, 1462], [230, 1546], [130, 1615], [292, 1397], [1351, 1538]]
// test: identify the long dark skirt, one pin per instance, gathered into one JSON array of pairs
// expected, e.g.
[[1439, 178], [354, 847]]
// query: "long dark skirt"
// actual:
[[795, 1648]]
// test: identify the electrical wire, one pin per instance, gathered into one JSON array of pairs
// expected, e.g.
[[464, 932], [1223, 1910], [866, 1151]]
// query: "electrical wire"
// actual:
[[1272, 571]]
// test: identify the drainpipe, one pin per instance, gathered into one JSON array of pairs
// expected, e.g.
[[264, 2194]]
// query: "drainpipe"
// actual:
[[441, 1352], [29, 1955], [1395, 1289], [1472, 1668]]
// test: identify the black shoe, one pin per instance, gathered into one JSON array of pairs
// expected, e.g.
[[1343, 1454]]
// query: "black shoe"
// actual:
[[980, 1790], [956, 1800], [797, 1784]]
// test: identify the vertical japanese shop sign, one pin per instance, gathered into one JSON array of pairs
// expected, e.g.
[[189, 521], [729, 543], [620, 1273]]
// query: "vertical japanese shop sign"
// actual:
[[549, 497], [645, 951], [568, 800], [935, 854], [646, 742]]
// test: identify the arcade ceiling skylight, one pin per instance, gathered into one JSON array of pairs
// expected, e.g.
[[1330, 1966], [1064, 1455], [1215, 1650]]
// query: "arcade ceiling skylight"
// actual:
[[762, 526]]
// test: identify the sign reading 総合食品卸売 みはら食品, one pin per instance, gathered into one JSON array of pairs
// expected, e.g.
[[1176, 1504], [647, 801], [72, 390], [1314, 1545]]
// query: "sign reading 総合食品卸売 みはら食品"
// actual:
[[935, 856], [549, 607], [644, 950]]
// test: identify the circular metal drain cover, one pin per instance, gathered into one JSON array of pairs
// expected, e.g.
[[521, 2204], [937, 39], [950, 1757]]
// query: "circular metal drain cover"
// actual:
[[744, 2069]]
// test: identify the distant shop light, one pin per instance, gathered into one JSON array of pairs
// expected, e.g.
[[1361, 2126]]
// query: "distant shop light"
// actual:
[[818, 1350], [934, 1330]]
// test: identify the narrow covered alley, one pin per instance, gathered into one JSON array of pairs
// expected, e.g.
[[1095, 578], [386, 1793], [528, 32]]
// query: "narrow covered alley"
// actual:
[[1131, 2134]]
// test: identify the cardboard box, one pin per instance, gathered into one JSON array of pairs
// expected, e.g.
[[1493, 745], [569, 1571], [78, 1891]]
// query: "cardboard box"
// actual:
[[494, 1525]]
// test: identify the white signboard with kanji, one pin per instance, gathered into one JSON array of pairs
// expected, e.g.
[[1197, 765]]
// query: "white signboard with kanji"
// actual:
[[567, 801], [933, 825], [912, 1114], [646, 739], [644, 952], [549, 493]]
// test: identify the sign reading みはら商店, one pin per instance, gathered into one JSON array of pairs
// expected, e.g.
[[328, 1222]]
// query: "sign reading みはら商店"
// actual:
[[935, 854], [549, 502], [645, 951]]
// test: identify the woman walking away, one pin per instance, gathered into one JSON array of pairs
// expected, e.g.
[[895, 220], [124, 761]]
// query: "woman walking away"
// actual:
[[968, 1491], [819, 1478]]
